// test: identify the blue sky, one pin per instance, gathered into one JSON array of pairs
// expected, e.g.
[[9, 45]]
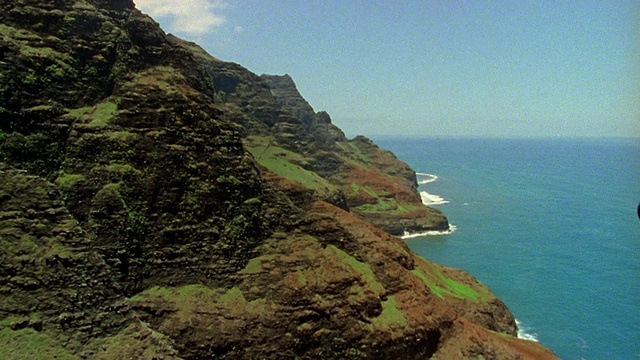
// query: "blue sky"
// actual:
[[441, 68]]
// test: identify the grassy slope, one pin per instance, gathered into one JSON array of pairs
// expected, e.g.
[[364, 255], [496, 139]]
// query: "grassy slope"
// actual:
[[287, 164], [366, 182], [361, 181]]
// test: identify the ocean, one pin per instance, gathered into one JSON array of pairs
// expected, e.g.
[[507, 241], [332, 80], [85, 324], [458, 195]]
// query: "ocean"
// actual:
[[550, 225]]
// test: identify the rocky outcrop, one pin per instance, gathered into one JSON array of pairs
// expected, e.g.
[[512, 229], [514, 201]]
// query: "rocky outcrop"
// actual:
[[143, 213]]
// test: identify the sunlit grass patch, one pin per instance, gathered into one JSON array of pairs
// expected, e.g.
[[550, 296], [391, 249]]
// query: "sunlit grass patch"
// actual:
[[443, 286]]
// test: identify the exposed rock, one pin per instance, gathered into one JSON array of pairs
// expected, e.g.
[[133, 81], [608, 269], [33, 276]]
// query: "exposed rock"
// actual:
[[54, 285], [137, 222]]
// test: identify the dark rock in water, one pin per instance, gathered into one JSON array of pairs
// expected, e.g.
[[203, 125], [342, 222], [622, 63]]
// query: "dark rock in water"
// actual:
[[156, 202]]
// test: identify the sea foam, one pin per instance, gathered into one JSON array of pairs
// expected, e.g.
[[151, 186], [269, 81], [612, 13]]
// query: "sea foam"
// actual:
[[408, 235], [431, 199], [427, 198], [524, 334], [424, 178]]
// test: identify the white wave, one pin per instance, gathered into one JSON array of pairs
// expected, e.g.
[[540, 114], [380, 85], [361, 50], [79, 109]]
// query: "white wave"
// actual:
[[431, 199], [408, 235], [523, 333], [424, 178]]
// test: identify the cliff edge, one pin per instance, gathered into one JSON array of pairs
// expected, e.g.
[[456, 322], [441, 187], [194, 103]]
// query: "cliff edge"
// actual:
[[145, 212]]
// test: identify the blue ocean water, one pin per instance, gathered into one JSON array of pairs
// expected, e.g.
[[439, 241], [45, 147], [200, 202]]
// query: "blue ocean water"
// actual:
[[550, 225]]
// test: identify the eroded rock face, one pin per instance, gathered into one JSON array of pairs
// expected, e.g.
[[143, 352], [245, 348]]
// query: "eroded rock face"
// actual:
[[50, 277], [136, 220]]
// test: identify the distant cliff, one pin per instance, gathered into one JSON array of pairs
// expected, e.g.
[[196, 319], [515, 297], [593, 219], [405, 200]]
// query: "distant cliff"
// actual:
[[378, 187], [158, 203]]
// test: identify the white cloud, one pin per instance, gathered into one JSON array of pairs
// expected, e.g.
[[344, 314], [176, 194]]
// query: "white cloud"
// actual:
[[193, 17]]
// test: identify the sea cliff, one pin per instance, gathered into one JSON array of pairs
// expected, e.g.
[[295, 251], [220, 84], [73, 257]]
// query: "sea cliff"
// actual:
[[158, 203]]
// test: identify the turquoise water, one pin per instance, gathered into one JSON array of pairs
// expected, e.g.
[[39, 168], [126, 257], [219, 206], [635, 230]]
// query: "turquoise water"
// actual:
[[550, 225]]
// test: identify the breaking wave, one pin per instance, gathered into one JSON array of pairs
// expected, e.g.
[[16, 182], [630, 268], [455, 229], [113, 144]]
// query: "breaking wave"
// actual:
[[431, 199], [424, 178], [523, 332], [408, 235], [427, 198]]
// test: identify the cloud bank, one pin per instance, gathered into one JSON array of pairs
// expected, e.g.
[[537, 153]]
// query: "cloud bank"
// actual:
[[193, 17]]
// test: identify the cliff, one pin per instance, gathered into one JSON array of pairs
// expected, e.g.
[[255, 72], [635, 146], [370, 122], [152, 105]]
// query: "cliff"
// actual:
[[287, 137], [378, 187], [158, 203]]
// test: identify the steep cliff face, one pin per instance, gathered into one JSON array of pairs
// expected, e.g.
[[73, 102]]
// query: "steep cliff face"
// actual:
[[377, 186], [142, 214]]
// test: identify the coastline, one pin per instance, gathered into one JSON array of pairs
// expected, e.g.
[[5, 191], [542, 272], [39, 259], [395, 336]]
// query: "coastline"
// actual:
[[408, 235], [432, 199]]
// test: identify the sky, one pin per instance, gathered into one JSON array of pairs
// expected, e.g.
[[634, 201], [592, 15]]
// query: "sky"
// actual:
[[436, 68]]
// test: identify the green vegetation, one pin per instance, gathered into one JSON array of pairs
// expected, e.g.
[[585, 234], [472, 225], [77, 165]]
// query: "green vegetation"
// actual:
[[361, 268], [503, 335], [286, 164], [137, 341], [83, 5], [160, 190], [33, 79], [54, 72], [8, 33], [156, 291], [57, 249], [384, 203], [122, 168], [57, 71], [353, 154], [102, 113], [61, 60], [254, 266], [28, 247], [387, 205], [357, 188], [30, 344], [164, 78], [187, 299], [68, 181], [443, 286], [58, 65], [15, 244], [390, 317], [191, 301], [117, 135], [97, 116], [232, 296]]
